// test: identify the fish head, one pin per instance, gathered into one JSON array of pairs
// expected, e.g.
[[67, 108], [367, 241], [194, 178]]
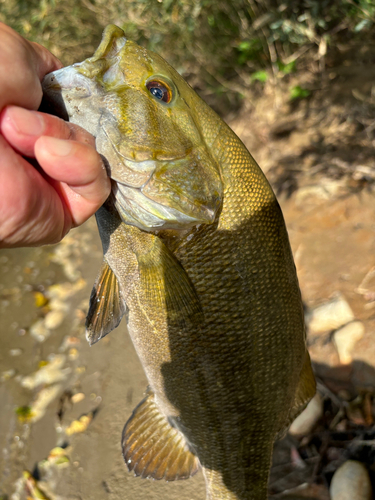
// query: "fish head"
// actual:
[[145, 120]]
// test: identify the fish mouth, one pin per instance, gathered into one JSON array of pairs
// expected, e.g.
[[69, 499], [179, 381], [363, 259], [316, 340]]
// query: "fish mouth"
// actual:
[[55, 85], [67, 79]]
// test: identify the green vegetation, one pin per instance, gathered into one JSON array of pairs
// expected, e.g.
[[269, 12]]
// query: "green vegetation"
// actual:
[[239, 41], [298, 92], [24, 413]]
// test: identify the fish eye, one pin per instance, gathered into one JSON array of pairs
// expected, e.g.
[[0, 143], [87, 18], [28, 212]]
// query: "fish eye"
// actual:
[[159, 90]]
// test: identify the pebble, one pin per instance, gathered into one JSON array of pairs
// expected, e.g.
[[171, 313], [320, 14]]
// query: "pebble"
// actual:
[[73, 354], [77, 398], [6, 375], [351, 481], [60, 292], [330, 316], [345, 339], [15, 352], [39, 331], [54, 319], [43, 399], [79, 425], [49, 374], [325, 190], [306, 421]]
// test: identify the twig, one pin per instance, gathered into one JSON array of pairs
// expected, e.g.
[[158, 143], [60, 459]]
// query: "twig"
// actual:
[[297, 54], [90, 6]]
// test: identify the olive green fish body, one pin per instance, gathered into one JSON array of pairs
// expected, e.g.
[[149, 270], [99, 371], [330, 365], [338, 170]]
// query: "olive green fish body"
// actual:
[[196, 255]]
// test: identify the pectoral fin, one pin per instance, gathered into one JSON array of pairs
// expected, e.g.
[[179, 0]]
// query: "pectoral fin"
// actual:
[[168, 286], [152, 448], [107, 306]]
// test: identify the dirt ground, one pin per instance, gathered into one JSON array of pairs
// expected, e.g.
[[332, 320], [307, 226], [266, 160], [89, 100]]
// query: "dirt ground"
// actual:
[[64, 404]]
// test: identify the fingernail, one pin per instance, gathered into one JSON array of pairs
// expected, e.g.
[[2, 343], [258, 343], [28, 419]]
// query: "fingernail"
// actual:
[[26, 122], [57, 147]]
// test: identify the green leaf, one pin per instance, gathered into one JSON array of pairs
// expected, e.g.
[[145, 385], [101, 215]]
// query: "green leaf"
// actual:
[[243, 46], [260, 76], [24, 413], [298, 92], [287, 68]]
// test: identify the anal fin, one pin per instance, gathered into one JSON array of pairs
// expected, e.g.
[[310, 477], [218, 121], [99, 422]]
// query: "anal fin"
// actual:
[[107, 306], [153, 448]]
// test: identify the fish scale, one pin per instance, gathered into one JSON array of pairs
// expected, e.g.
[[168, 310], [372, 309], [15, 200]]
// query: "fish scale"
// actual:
[[198, 260]]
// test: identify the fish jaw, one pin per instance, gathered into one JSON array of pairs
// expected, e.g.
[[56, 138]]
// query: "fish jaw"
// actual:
[[79, 93], [72, 95]]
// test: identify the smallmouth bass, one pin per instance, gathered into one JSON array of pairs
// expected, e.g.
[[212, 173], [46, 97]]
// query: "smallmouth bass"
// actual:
[[197, 258]]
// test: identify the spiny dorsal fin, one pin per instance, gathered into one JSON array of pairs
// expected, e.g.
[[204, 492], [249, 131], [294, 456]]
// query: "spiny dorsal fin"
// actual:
[[152, 448], [165, 281], [305, 392], [107, 306]]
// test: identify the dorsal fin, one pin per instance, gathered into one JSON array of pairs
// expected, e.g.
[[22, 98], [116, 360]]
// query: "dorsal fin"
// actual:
[[153, 448], [165, 281], [107, 306]]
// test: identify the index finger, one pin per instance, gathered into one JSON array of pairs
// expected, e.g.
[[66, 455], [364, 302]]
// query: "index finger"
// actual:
[[22, 128]]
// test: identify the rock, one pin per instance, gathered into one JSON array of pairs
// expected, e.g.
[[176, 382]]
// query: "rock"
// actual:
[[330, 316], [79, 425], [306, 421], [351, 481], [15, 352], [43, 399], [54, 319], [345, 339], [39, 331], [49, 374], [73, 353], [325, 190], [6, 375], [77, 398]]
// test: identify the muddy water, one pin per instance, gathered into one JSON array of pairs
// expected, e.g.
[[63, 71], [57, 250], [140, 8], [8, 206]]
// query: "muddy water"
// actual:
[[44, 297]]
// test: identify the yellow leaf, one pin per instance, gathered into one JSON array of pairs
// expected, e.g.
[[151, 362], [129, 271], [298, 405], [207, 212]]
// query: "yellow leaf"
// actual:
[[79, 425], [40, 299]]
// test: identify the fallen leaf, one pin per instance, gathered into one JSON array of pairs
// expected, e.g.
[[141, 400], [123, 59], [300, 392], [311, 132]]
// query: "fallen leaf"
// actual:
[[79, 425]]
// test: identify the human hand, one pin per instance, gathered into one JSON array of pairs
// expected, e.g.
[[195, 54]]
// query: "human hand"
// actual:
[[39, 205]]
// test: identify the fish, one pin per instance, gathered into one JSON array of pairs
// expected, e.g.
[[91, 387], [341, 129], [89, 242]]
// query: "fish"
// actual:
[[197, 259]]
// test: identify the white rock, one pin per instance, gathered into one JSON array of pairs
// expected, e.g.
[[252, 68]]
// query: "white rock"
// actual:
[[325, 190], [39, 331], [345, 339], [15, 352], [330, 316], [305, 422], [351, 481], [48, 374], [54, 319], [43, 399], [6, 375]]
